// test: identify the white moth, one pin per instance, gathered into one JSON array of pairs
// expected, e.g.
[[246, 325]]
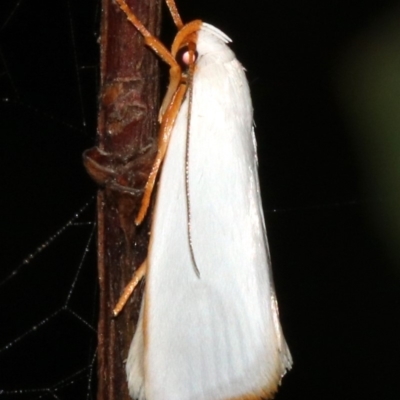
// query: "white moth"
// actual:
[[209, 326]]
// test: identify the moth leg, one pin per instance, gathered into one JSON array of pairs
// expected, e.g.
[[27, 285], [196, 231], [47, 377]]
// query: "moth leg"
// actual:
[[130, 287], [150, 40], [164, 135]]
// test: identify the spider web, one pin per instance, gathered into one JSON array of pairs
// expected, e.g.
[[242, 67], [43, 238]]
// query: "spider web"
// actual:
[[48, 289]]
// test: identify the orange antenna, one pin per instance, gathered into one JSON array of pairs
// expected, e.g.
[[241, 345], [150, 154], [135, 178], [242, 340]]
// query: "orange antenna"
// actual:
[[174, 13]]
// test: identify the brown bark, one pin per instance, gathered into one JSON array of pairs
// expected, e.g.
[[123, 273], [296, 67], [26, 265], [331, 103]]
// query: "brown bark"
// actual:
[[127, 124]]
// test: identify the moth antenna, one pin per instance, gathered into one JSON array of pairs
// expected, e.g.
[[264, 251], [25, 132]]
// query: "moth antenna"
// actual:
[[174, 13], [190, 90]]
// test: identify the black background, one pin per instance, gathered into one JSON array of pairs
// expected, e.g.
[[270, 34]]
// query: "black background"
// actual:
[[337, 279]]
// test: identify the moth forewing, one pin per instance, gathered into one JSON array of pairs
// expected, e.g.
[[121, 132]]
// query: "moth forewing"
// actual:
[[214, 335]]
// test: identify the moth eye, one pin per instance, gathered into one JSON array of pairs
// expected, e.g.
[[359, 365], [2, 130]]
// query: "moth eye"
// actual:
[[183, 57]]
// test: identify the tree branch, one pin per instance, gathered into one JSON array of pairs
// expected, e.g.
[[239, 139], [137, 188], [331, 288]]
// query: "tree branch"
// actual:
[[120, 163]]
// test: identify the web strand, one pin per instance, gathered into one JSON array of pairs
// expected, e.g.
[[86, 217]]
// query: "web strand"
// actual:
[[49, 299]]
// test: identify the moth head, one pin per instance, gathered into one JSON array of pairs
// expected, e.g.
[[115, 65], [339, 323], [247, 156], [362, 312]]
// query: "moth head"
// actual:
[[184, 55], [184, 46]]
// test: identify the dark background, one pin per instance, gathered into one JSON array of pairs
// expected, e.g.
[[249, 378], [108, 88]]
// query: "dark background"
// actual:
[[336, 268]]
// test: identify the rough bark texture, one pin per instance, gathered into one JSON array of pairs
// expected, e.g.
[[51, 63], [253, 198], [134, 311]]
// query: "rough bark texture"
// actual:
[[120, 163]]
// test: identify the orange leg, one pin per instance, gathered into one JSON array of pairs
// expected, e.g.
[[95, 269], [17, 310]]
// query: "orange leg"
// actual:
[[163, 140], [174, 13], [130, 287], [150, 40]]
